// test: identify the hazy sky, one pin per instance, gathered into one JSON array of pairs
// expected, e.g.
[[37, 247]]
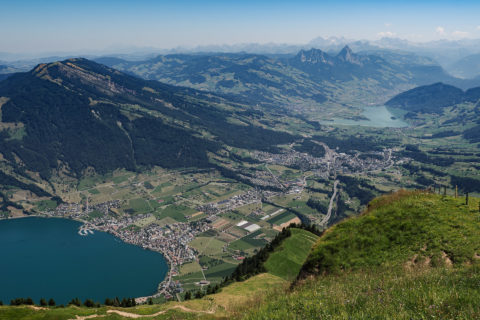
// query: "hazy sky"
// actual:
[[71, 25]]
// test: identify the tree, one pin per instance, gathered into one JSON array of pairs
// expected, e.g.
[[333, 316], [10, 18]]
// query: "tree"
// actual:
[[150, 301], [51, 302], [89, 303], [43, 302], [29, 301], [108, 302], [76, 302], [188, 295], [133, 302]]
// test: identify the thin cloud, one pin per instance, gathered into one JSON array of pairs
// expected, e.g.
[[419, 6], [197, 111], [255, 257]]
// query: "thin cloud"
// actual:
[[387, 34], [460, 34], [440, 30]]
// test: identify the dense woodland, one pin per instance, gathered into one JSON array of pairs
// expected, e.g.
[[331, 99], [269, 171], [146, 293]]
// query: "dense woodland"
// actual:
[[62, 126]]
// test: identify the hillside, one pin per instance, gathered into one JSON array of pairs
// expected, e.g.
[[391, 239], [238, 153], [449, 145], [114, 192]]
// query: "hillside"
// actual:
[[412, 254], [467, 67], [433, 98], [287, 260], [408, 256], [76, 115], [310, 78]]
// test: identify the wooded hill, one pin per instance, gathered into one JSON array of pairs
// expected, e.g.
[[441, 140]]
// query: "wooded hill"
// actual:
[[77, 114], [311, 77]]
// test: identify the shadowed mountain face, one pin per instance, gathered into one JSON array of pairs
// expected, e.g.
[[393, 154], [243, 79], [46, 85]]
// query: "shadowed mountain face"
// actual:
[[311, 77], [433, 98], [77, 114], [467, 67]]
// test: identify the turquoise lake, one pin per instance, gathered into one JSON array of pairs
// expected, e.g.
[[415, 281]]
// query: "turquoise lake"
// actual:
[[47, 258], [378, 116]]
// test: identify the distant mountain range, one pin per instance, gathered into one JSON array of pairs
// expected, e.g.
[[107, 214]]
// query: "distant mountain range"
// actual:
[[310, 77], [444, 52], [467, 67]]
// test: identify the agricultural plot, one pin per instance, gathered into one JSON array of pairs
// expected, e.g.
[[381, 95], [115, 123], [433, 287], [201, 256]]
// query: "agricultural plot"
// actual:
[[218, 272], [189, 280], [176, 212], [189, 268], [145, 222], [282, 218], [249, 242], [208, 246], [138, 206], [45, 205]]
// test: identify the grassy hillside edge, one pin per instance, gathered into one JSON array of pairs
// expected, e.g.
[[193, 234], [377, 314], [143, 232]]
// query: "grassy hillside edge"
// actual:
[[411, 255]]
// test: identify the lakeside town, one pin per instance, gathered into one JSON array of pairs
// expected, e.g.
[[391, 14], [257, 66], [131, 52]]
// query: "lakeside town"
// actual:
[[173, 239]]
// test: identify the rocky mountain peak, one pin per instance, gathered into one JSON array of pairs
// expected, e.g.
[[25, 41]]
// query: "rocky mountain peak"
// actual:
[[314, 56], [347, 55]]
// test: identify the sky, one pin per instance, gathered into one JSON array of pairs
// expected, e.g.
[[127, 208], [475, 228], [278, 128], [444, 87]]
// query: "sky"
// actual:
[[32, 26]]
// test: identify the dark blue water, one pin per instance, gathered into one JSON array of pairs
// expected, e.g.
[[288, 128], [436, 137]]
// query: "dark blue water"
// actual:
[[48, 258]]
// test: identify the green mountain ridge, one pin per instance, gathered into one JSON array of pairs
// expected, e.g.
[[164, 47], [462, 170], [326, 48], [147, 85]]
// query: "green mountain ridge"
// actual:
[[77, 114], [311, 78]]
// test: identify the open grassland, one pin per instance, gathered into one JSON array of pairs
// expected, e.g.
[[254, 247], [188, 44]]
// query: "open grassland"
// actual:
[[379, 293], [412, 255], [288, 259], [401, 227]]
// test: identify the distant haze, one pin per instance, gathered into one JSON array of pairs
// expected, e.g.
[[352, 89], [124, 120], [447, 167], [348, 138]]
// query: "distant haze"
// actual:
[[53, 26]]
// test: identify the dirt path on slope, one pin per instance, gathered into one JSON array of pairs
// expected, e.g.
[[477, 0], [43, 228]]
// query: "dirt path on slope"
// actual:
[[136, 316]]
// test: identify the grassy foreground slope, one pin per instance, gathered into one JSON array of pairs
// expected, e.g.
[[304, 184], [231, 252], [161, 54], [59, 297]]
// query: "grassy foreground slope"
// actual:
[[412, 255], [287, 260]]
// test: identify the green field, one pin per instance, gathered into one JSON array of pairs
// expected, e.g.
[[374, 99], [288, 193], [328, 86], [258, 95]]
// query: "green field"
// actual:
[[414, 255], [139, 206], [208, 246], [45, 205], [219, 271], [281, 218], [176, 212], [287, 259]]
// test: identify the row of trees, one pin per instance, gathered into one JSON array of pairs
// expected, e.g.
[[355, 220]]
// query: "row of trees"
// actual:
[[252, 265], [201, 293], [29, 301], [89, 303]]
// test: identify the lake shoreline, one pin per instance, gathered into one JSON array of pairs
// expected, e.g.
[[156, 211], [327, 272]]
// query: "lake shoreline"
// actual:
[[373, 116], [141, 299]]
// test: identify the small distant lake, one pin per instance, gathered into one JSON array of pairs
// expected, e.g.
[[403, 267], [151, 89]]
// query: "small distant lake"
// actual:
[[48, 258], [378, 116]]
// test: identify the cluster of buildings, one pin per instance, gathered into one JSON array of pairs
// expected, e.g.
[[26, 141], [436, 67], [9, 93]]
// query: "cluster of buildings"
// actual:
[[333, 162], [246, 198], [290, 158], [171, 240]]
